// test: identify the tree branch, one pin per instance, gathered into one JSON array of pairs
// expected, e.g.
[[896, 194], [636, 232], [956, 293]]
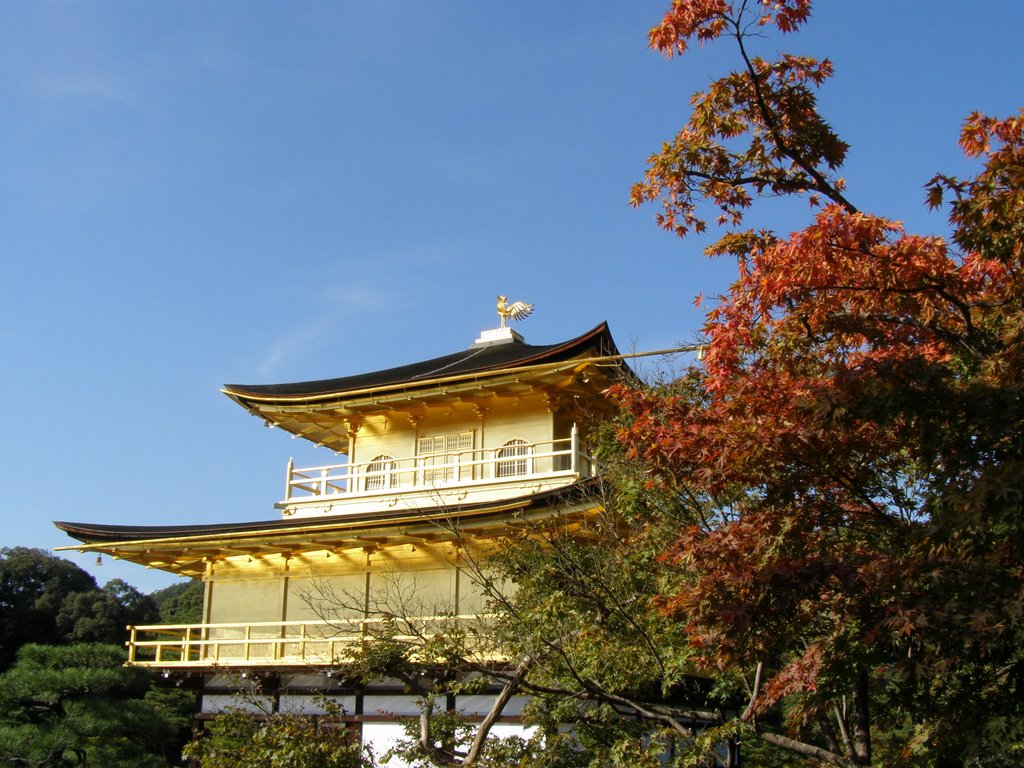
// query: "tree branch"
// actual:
[[496, 709], [822, 184], [808, 750], [753, 694], [844, 732], [652, 713]]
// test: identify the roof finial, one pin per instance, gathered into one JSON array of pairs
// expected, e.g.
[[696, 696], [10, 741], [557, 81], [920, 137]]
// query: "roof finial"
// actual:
[[516, 311]]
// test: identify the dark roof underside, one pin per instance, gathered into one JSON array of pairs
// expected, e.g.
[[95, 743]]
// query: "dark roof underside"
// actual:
[[479, 359]]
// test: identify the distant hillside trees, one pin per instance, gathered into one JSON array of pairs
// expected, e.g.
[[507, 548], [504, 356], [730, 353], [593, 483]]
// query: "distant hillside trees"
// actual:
[[49, 600], [46, 599], [180, 603]]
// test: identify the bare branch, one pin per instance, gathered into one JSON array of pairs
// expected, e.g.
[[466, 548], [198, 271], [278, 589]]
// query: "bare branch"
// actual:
[[749, 711], [806, 749], [484, 728], [822, 185]]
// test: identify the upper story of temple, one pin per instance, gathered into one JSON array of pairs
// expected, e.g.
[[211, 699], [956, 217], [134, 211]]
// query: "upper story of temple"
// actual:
[[498, 420]]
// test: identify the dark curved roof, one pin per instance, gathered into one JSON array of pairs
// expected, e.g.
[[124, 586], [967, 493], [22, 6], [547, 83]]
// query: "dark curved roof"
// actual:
[[95, 533], [99, 533], [493, 357]]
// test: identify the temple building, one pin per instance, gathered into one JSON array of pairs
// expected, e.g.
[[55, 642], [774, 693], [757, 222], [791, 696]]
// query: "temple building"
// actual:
[[427, 464]]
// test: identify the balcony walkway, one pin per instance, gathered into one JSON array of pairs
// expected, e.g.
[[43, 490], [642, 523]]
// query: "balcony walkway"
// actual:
[[277, 643], [464, 476]]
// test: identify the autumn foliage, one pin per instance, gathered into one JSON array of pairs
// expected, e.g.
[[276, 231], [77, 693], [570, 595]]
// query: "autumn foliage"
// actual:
[[852, 440]]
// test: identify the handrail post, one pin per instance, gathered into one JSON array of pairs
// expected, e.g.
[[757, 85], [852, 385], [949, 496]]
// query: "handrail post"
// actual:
[[574, 449], [288, 478], [131, 644]]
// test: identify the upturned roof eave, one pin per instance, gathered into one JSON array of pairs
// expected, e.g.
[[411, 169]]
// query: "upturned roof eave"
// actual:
[[405, 390], [94, 535], [181, 550]]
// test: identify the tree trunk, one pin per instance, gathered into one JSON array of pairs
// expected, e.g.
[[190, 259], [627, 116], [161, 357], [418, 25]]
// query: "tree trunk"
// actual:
[[860, 716]]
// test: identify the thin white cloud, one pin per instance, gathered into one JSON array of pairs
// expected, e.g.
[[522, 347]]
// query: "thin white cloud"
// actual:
[[298, 343], [337, 306], [350, 298], [93, 86]]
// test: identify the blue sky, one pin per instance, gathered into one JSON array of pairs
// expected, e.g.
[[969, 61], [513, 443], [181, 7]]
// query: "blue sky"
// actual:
[[198, 193]]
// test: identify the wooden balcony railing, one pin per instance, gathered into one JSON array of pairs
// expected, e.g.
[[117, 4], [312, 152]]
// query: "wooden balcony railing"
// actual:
[[271, 643], [386, 475]]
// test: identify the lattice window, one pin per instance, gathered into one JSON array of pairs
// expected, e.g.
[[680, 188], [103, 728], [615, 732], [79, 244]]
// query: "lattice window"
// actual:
[[439, 453], [381, 474], [453, 443], [510, 466]]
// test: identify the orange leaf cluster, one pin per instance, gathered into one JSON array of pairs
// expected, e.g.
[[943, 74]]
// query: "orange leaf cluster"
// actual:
[[706, 20]]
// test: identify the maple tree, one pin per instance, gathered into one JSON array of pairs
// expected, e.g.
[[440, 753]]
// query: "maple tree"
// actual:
[[851, 440]]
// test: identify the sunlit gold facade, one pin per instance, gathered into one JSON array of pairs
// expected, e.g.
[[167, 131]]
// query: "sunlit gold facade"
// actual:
[[426, 468]]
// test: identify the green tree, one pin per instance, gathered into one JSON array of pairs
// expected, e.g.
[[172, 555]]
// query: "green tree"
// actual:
[[603, 659], [244, 739], [78, 705], [609, 681]]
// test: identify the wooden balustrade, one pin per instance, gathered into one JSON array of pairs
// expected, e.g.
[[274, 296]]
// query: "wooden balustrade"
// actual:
[[273, 643], [547, 458]]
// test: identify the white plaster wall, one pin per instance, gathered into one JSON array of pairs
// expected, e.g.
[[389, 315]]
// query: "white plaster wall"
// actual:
[[381, 737], [304, 704], [388, 705], [481, 705], [214, 703]]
